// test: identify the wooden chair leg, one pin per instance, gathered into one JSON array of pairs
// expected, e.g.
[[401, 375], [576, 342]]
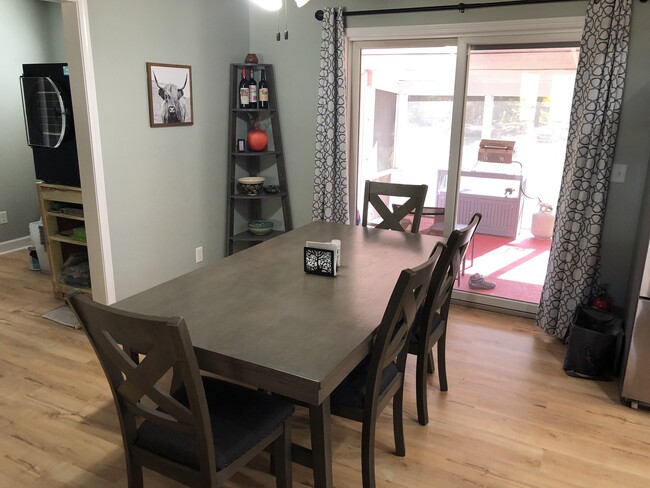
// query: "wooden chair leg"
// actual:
[[281, 458], [442, 367], [430, 366], [398, 422], [134, 474], [368, 453], [421, 388]]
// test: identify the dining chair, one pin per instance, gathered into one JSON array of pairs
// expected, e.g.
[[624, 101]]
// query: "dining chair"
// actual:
[[376, 195], [431, 322], [194, 429], [437, 228], [379, 378]]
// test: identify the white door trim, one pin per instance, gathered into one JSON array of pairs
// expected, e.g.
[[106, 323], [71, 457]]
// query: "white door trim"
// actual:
[[559, 29], [89, 147]]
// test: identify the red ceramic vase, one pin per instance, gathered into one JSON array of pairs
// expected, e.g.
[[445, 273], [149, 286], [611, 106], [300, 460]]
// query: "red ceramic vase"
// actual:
[[258, 140]]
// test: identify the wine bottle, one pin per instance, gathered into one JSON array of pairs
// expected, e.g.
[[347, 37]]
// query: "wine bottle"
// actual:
[[252, 90], [263, 89], [244, 100]]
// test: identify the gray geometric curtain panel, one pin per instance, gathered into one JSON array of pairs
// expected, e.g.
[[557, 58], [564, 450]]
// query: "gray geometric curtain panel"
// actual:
[[331, 162], [574, 264]]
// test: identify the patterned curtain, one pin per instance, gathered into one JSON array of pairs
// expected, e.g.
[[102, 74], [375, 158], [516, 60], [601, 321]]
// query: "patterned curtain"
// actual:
[[574, 264], [331, 163]]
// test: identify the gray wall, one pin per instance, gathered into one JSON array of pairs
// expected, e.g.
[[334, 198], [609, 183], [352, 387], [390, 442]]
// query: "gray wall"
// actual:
[[30, 32], [297, 64], [165, 187]]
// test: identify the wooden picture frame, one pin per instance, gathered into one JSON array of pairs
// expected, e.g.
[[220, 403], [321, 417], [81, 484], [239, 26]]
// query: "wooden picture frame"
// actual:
[[170, 95]]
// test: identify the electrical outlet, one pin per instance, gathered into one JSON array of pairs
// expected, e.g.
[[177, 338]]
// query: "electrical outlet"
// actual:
[[618, 173], [199, 254], [3, 217]]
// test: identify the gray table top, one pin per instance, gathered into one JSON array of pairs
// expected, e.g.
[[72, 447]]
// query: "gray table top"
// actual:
[[258, 318]]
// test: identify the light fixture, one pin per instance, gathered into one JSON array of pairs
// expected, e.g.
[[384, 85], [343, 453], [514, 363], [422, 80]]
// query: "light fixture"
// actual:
[[269, 4], [276, 5]]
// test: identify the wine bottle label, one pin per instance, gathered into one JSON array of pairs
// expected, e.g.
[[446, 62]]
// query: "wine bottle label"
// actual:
[[264, 94], [243, 96], [252, 93]]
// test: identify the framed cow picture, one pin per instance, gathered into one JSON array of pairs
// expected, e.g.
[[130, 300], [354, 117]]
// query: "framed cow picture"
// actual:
[[170, 95]]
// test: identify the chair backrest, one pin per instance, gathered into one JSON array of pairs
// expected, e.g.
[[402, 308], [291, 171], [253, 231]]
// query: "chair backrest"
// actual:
[[442, 281], [138, 353], [415, 195], [393, 333], [459, 241]]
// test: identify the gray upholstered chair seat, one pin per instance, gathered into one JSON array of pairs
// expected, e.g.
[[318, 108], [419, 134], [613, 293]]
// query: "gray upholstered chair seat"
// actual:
[[239, 417], [352, 391]]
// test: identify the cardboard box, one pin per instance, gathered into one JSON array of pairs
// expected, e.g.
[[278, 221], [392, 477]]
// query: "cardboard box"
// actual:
[[496, 151]]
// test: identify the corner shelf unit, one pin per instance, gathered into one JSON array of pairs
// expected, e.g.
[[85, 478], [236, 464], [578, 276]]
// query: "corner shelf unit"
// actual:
[[62, 211], [270, 164]]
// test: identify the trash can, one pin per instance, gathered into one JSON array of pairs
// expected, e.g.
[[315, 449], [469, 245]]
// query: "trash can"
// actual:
[[595, 344]]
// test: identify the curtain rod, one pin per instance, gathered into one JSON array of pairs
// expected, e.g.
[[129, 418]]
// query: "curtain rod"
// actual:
[[461, 7]]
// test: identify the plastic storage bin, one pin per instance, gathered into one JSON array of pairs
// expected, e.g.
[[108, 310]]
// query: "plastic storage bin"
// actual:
[[36, 235]]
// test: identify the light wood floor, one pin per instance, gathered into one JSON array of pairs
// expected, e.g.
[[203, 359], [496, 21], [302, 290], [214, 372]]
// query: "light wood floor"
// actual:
[[511, 416]]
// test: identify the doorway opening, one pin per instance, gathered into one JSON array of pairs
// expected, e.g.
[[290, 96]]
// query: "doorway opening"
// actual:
[[419, 123]]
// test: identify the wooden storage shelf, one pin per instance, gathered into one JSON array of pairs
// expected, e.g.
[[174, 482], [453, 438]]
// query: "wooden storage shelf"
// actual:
[[242, 207], [59, 246]]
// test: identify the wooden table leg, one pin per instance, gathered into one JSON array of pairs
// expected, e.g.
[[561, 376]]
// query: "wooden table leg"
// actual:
[[321, 444]]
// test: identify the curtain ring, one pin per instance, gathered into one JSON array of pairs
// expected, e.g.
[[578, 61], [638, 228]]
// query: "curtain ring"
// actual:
[[461, 8]]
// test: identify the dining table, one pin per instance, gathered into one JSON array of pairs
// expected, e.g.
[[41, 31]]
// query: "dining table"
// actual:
[[256, 317]]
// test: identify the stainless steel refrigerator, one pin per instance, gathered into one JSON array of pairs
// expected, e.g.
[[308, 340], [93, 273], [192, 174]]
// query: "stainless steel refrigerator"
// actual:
[[635, 388], [636, 382]]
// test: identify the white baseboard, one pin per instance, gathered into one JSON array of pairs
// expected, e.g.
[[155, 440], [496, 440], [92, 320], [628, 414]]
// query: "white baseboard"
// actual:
[[14, 245]]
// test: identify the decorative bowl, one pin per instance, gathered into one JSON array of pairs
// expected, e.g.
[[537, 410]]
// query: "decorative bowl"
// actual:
[[79, 234], [260, 227], [272, 189], [251, 185]]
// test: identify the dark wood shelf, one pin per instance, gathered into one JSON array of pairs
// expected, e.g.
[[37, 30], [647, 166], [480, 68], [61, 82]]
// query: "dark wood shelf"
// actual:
[[243, 196], [254, 153], [248, 236]]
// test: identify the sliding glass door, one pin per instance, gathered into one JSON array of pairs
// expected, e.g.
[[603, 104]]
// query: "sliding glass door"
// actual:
[[484, 126], [404, 112], [515, 127]]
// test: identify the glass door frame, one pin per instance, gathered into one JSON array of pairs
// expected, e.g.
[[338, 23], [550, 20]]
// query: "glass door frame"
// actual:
[[466, 35], [457, 111]]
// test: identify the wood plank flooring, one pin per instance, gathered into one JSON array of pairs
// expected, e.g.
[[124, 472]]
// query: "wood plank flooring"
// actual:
[[511, 417]]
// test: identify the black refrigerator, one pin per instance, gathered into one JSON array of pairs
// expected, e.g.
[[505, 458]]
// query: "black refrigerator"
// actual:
[[49, 122]]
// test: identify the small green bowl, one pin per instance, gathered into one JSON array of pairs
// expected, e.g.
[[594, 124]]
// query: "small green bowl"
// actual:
[[79, 234], [260, 227]]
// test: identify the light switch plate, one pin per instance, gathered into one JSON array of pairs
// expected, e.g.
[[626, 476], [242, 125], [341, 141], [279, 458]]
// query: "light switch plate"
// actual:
[[618, 173]]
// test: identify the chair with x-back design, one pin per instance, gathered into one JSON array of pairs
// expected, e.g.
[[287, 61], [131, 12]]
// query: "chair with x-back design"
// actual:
[[379, 378], [431, 324], [196, 430], [376, 195]]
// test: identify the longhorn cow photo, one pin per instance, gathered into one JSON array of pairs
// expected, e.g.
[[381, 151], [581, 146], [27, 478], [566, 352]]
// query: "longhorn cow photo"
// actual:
[[170, 97]]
